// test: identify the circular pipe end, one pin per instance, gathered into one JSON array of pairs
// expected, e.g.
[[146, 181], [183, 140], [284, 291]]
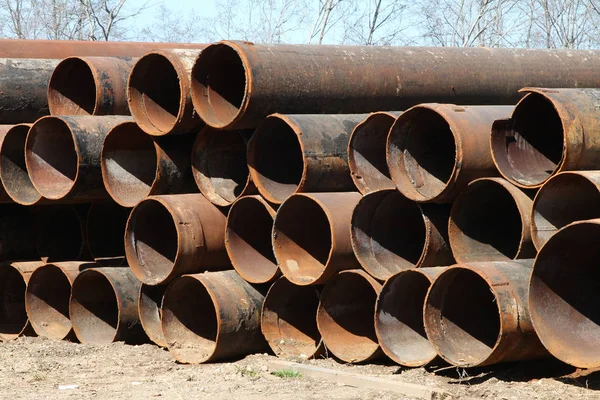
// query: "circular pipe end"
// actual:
[[67, 98], [149, 309], [13, 313]]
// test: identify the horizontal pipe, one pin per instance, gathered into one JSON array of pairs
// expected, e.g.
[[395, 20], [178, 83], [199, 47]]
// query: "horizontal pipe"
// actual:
[[235, 84], [149, 309], [212, 316], [311, 236], [399, 317], [435, 150], [491, 221], [17, 236], [301, 153], [391, 233], [477, 314], [171, 235], [104, 230], [163, 106], [4, 132]]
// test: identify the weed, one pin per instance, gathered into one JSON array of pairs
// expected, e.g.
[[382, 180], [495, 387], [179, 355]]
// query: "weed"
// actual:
[[287, 373]]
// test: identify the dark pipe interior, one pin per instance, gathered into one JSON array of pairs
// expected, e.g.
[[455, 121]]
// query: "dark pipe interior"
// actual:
[[13, 316], [105, 227], [150, 312], [13, 170], [58, 233], [72, 89]]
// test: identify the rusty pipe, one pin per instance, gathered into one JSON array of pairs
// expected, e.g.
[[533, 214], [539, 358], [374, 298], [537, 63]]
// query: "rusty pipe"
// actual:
[[477, 314], [435, 150], [212, 316], [16, 234], [4, 130], [391, 233], [135, 165], [47, 298], [366, 152], [311, 236], [90, 86], [345, 316], [171, 235], [220, 166], [236, 84], [163, 106], [149, 308], [491, 221], [104, 306], [301, 153], [399, 317], [104, 230], [288, 320], [62, 155], [248, 241]]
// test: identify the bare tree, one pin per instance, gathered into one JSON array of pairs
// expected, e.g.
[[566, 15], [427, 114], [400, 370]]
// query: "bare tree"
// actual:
[[376, 22], [175, 26]]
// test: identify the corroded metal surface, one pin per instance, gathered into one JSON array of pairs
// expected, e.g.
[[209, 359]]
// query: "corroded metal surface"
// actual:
[[435, 150], [104, 229], [149, 309], [391, 233], [212, 316], [477, 314], [4, 130], [311, 236]]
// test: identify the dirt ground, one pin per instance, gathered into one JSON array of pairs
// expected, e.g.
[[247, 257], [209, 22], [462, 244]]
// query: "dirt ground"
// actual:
[[44, 369]]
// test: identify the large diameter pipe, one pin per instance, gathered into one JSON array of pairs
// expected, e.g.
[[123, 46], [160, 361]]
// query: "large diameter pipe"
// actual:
[[288, 320], [345, 316], [220, 166], [391, 233], [477, 314], [59, 233], [163, 106], [150, 311], [399, 317], [301, 153], [90, 86], [135, 165], [17, 236], [104, 306], [248, 239], [4, 129], [104, 230], [550, 130], [435, 150], [171, 235], [62, 155], [311, 236], [212, 316], [490, 221]]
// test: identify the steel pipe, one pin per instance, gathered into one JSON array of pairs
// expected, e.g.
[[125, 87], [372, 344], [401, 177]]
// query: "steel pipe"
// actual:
[[168, 236], [391, 233], [59, 233], [220, 166], [301, 153], [435, 150], [135, 165], [311, 236], [163, 106], [62, 155], [490, 221], [248, 241], [212, 316], [17, 234], [149, 308], [4, 129], [477, 314], [399, 317], [104, 231]]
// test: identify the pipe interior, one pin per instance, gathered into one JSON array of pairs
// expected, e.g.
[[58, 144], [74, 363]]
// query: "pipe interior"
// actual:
[[150, 312], [58, 233], [13, 170], [72, 88], [13, 315], [105, 227]]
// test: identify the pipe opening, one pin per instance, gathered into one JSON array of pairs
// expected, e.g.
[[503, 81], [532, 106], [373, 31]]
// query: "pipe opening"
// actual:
[[51, 157], [462, 317], [58, 233], [72, 88], [13, 315], [150, 301], [105, 227], [13, 170], [302, 239]]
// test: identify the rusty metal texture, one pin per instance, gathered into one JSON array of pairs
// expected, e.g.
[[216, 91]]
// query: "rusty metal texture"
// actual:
[[366, 152], [13, 284], [16, 234], [391, 233], [477, 314], [136, 165], [104, 306], [171, 235], [212, 316], [550, 131], [311, 236], [47, 298], [4, 129], [288, 320], [563, 294], [104, 230], [491, 221], [301, 153], [236, 84], [149, 308], [163, 106], [90, 86], [345, 316], [220, 166], [399, 317], [62, 155], [248, 240], [435, 150]]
